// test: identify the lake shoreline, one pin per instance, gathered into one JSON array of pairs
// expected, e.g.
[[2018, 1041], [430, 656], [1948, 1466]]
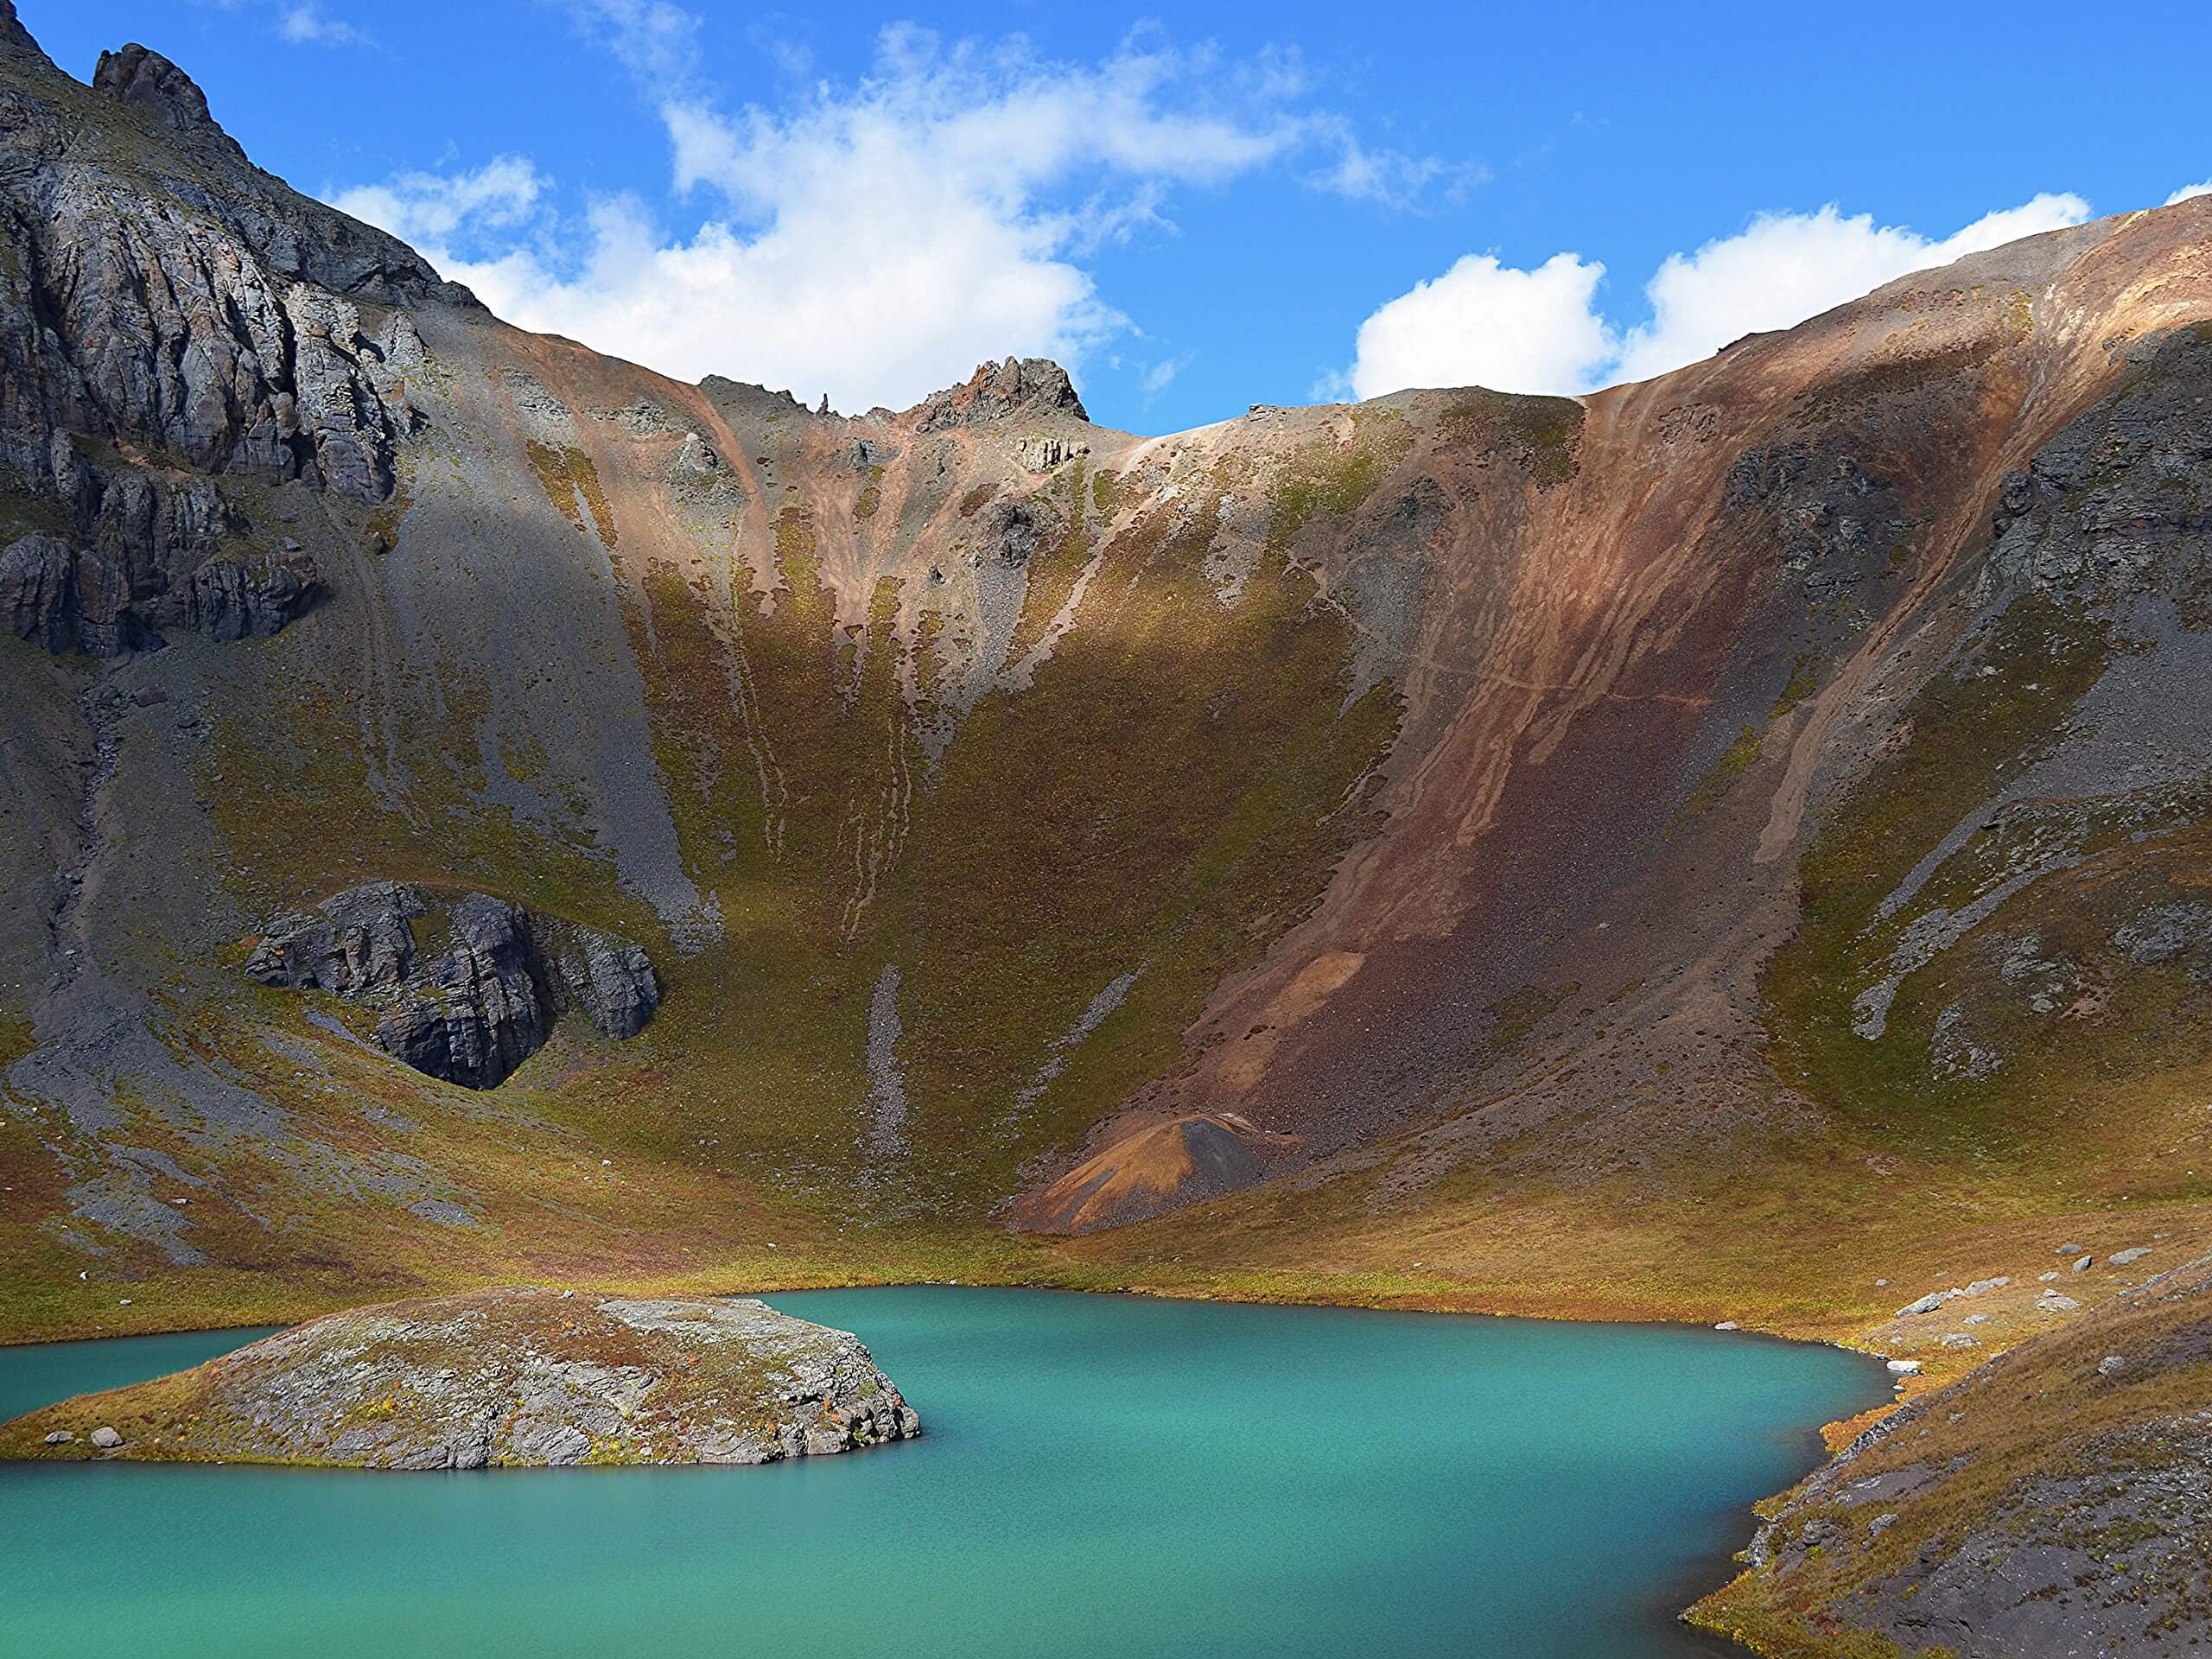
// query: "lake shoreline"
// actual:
[[1671, 1406]]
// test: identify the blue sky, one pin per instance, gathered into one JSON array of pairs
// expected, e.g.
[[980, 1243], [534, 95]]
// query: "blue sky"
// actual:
[[1226, 205]]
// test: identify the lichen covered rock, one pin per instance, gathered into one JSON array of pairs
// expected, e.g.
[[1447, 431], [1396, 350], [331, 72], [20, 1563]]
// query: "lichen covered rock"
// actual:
[[518, 1377]]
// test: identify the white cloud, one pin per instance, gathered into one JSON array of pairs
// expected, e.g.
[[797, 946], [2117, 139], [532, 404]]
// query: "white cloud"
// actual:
[[2189, 190], [1484, 323], [1784, 268], [876, 238], [308, 25], [1392, 178], [1157, 378], [909, 304], [437, 208]]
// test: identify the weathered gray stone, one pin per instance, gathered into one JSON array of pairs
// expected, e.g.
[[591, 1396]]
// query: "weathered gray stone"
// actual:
[[217, 324], [472, 1012], [1930, 1303], [523, 1377]]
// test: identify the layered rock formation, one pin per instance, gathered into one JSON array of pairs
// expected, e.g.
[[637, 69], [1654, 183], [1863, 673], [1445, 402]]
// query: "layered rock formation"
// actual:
[[518, 1377], [214, 327], [465, 990]]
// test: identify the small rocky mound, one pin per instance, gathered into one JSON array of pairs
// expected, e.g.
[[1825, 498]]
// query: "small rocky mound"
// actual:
[[515, 1377], [2053, 1501], [1149, 1171], [466, 989]]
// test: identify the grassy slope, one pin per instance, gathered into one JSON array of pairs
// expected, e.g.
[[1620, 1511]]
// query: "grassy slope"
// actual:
[[2019, 1449]]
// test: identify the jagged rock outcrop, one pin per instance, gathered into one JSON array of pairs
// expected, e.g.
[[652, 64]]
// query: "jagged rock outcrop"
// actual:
[[1030, 385], [70, 598], [1834, 524], [517, 1377], [2123, 495], [215, 325], [149, 81], [466, 989]]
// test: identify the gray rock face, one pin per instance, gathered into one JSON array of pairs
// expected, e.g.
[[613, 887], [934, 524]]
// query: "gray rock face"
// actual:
[[217, 327], [1834, 524], [516, 1377], [149, 81], [467, 989], [68, 598], [2119, 496]]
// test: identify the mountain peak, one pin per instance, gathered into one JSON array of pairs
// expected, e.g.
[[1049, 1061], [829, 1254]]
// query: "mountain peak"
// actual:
[[1031, 384], [15, 39], [143, 78]]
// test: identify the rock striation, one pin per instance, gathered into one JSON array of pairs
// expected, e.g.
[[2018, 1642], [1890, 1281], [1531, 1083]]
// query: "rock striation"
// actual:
[[516, 1377], [465, 990], [224, 328]]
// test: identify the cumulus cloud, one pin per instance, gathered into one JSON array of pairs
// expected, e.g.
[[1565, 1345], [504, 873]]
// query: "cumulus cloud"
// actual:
[[878, 238], [1784, 268], [2189, 190], [1484, 323]]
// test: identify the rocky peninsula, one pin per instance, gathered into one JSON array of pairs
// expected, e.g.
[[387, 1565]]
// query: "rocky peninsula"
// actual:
[[521, 1376]]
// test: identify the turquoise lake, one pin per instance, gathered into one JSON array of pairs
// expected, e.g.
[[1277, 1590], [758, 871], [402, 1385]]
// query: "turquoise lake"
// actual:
[[1100, 1475]]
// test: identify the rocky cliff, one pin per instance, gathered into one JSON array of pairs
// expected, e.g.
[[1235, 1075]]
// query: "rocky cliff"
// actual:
[[167, 313], [500, 1379], [472, 1011]]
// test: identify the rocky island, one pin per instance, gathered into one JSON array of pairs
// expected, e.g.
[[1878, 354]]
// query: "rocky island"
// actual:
[[521, 1376]]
